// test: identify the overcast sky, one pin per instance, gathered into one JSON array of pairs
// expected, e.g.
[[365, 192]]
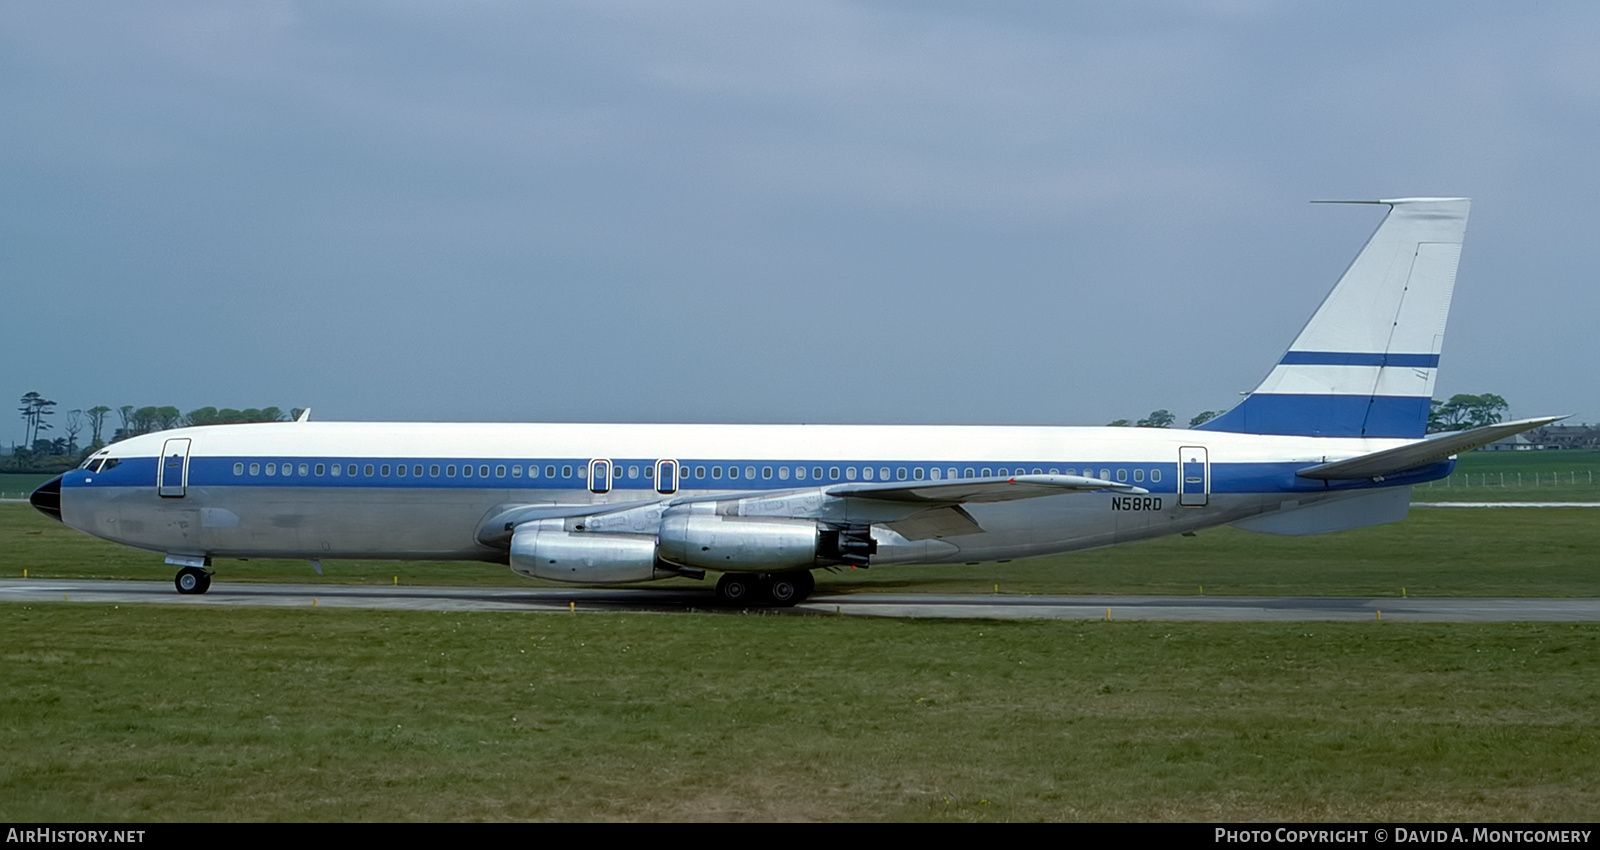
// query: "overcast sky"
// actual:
[[771, 212]]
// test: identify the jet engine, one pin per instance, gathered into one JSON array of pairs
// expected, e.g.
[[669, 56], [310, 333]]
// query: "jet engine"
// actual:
[[546, 549], [760, 544]]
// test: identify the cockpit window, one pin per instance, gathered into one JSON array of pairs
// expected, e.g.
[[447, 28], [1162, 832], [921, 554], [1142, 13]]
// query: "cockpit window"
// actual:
[[110, 464]]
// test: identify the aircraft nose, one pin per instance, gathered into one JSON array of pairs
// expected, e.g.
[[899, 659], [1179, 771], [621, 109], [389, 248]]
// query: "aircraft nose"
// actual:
[[48, 498]]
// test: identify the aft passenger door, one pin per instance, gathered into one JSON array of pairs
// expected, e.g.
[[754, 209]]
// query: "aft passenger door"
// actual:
[[1194, 477], [172, 471]]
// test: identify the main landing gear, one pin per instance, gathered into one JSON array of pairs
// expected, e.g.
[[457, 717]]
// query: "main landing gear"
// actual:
[[191, 580], [781, 589]]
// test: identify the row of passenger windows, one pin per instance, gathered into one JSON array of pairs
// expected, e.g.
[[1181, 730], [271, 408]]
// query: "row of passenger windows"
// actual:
[[783, 473], [401, 470]]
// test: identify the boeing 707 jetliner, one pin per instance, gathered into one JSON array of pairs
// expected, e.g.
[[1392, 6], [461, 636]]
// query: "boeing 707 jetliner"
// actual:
[[1332, 439]]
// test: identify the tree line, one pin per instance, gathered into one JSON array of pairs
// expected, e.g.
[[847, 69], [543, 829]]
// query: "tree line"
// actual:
[[104, 425]]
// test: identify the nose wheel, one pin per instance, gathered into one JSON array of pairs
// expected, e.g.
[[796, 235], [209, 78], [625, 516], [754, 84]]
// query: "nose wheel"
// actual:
[[192, 580], [780, 589]]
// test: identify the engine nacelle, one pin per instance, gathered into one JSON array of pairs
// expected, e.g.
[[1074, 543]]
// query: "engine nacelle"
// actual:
[[546, 549], [758, 544]]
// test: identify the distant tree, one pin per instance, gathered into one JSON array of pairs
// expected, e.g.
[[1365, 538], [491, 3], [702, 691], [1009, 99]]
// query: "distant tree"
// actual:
[[1203, 417], [1465, 411], [1120, 423], [97, 419], [126, 413], [34, 408], [1156, 419], [74, 424]]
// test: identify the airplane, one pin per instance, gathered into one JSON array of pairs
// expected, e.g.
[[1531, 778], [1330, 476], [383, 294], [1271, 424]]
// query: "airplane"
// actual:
[[1332, 439]]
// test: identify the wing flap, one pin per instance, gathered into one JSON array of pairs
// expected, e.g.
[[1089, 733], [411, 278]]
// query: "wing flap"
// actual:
[[1421, 453], [936, 524]]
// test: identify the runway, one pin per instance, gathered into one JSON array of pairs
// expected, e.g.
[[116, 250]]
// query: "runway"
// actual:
[[917, 605]]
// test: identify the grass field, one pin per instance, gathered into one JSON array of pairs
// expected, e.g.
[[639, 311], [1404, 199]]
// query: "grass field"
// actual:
[[1548, 476], [153, 713]]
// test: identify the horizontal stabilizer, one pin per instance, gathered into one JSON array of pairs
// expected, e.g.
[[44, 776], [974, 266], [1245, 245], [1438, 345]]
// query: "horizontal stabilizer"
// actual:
[[1421, 453], [967, 490]]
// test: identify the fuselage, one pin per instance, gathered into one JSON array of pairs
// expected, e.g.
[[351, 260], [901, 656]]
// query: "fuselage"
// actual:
[[437, 490]]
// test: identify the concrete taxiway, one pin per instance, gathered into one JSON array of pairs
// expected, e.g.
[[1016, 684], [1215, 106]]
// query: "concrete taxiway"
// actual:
[[927, 605]]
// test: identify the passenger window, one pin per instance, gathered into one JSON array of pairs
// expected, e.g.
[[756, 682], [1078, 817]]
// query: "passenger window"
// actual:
[[833, 473], [350, 470], [483, 471], [272, 469], [650, 472], [1122, 475], [849, 473], [385, 470], [900, 474], [433, 470], [1138, 475], [733, 472], [238, 469], [368, 470], [401, 469], [566, 472], [516, 471], [969, 473], [322, 469], [816, 473], [866, 473], [916, 472], [1155, 475], [500, 471], [766, 472], [416, 471], [633, 472], [988, 474], [783, 473], [450, 470], [1105, 474], [255, 469], [750, 472], [716, 472], [337, 470], [699, 472]]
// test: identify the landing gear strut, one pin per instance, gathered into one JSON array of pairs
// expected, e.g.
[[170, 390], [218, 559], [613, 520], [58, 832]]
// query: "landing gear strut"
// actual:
[[192, 580], [781, 589]]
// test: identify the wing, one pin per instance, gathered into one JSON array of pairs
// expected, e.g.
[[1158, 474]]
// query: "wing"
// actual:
[[944, 516], [977, 490], [1421, 453]]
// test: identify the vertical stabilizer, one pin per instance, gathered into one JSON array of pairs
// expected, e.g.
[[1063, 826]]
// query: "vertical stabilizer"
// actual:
[[1365, 364]]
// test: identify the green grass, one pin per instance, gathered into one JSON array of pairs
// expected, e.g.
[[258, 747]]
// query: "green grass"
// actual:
[[1435, 552], [184, 713], [1544, 476], [16, 485]]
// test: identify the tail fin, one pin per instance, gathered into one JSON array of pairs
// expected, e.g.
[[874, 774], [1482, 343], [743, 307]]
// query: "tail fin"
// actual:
[[1364, 365]]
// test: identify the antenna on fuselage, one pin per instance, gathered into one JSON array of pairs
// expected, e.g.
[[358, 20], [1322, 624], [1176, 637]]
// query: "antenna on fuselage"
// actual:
[[305, 415]]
